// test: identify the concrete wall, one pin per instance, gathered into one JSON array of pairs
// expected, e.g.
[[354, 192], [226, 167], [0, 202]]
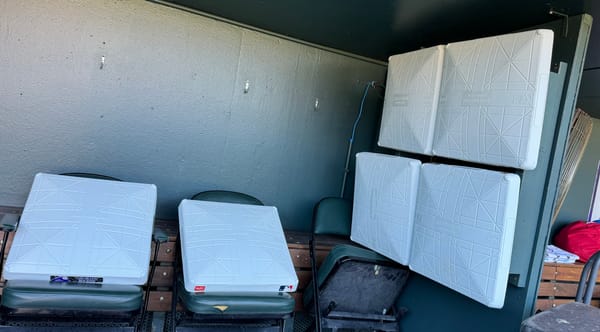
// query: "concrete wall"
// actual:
[[169, 107]]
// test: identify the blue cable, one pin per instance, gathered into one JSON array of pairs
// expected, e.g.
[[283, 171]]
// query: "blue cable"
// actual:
[[351, 142], [360, 111]]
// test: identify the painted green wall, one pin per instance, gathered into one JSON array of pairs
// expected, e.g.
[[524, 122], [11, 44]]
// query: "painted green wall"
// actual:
[[169, 105]]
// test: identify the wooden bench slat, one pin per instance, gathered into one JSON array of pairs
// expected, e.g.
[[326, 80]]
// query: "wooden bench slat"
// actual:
[[548, 272], [166, 252], [301, 257], [563, 272], [159, 301], [546, 289], [558, 302], [163, 276], [544, 304]]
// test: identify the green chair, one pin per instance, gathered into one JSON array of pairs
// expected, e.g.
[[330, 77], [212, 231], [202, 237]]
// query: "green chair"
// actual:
[[356, 287], [31, 305], [228, 311]]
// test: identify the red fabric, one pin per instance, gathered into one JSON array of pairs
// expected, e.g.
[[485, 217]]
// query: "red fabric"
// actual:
[[580, 238]]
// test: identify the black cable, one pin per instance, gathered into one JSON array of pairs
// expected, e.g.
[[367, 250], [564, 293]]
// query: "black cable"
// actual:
[[147, 295], [176, 270], [313, 263]]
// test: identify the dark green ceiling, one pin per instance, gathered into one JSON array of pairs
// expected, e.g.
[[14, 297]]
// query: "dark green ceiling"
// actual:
[[380, 28]]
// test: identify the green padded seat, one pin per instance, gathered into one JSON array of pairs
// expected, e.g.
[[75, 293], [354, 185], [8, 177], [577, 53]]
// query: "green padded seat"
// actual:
[[338, 254], [30, 294], [237, 303]]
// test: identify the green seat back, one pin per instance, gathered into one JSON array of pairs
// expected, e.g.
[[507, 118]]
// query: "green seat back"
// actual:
[[225, 196], [91, 176], [333, 216]]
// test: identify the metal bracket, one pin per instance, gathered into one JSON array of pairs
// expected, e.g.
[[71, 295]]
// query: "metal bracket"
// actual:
[[565, 18]]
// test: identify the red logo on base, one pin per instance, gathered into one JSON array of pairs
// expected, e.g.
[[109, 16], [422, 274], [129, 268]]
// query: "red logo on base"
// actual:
[[199, 288]]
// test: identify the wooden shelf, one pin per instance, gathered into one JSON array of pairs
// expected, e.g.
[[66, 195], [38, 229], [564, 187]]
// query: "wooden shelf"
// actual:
[[558, 285]]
